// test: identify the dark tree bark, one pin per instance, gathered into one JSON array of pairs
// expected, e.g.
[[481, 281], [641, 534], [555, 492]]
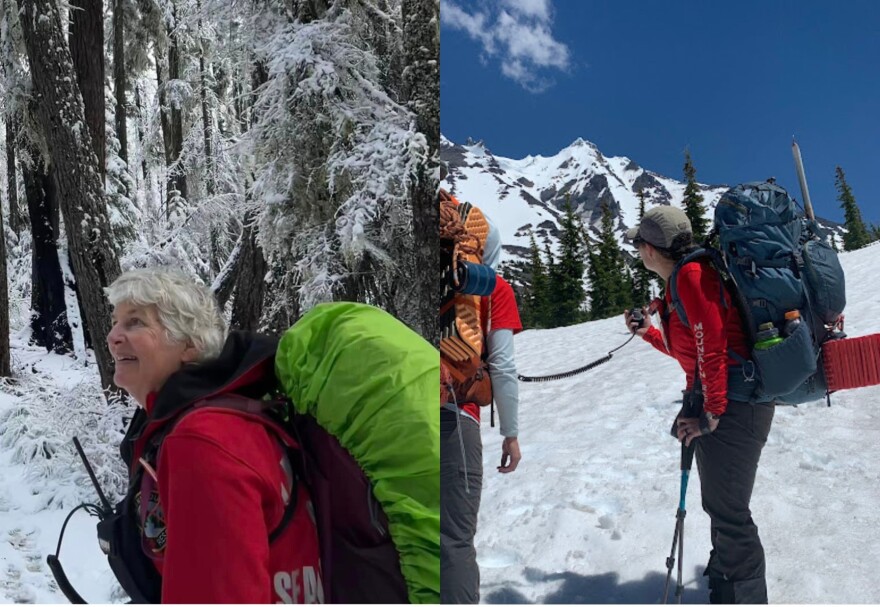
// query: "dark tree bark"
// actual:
[[140, 130], [227, 277], [172, 125], [206, 115], [421, 79], [206, 131], [119, 78], [247, 308], [49, 326], [5, 368], [87, 51], [11, 180], [59, 108]]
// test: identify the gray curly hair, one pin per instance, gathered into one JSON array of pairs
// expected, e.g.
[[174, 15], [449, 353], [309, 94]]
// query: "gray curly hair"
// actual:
[[187, 311]]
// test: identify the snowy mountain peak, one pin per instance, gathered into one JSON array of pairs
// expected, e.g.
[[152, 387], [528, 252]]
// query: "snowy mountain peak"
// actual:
[[526, 196]]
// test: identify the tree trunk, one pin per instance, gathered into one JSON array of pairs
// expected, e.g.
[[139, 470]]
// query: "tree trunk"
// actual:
[[172, 126], [119, 78], [177, 178], [140, 130], [59, 109], [206, 116], [421, 38], [227, 277], [5, 368], [247, 308], [11, 180], [49, 326], [87, 51]]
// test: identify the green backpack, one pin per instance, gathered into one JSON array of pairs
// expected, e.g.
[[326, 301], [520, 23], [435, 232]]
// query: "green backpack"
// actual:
[[365, 385]]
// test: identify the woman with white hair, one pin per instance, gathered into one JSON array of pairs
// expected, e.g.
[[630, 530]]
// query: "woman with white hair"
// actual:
[[213, 512]]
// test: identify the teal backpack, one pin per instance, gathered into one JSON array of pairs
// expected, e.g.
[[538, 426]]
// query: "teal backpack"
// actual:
[[773, 260]]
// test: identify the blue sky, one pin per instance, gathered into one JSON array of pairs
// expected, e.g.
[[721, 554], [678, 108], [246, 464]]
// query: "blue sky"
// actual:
[[731, 81]]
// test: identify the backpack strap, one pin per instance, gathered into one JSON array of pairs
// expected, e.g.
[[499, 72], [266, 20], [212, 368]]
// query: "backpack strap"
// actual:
[[717, 263], [258, 410]]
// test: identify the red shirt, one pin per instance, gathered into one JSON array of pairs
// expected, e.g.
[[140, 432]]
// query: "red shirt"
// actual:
[[222, 490], [499, 313], [715, 328]]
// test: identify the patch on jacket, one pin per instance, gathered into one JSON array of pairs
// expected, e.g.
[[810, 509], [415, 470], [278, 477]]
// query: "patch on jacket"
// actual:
[[151, 521]]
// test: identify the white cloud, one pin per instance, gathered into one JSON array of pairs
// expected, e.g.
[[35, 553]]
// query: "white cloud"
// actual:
[[519, 34], [539, 9]]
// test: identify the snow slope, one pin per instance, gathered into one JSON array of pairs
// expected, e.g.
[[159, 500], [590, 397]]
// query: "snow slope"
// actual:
[[589, 515]]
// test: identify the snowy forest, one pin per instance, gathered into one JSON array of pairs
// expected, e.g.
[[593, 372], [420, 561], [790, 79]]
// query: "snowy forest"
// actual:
[[282, 152]]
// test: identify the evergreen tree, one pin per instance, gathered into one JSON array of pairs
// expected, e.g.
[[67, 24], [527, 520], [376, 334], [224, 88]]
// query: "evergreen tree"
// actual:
[[875, 232], [693, 200], [834, 243], [568, 274], [552, 290], [535, 302], [610, 287], [856, 233], [641, 278]]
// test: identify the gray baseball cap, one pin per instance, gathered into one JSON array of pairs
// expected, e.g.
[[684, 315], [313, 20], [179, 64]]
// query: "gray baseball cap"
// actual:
[[660, 225]]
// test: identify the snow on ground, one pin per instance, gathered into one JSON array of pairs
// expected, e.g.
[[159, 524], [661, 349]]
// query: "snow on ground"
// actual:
[[32, 511], [589, 515]]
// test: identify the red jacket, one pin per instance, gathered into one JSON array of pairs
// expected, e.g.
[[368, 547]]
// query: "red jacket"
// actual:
[[715, 328], [221, 487]]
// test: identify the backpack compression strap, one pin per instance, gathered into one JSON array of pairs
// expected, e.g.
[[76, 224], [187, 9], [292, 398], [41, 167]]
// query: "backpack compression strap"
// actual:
[[714, 258]]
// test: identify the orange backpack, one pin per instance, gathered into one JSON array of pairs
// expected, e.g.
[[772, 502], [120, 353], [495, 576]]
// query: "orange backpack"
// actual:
[[464, 374]]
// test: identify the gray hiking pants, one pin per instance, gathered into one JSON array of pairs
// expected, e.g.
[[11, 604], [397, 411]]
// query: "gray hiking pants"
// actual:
[[727, 461], [461, 457]]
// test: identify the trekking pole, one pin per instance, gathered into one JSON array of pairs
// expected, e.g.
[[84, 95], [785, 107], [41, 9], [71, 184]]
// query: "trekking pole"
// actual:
[[687, 458], [802, 178]]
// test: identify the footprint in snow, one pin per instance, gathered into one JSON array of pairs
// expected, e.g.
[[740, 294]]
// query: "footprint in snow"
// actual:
[[816, 461], [607, 522], [11, 587]]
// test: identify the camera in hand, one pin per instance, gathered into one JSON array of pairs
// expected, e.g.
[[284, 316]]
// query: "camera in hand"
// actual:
[[636, 319]]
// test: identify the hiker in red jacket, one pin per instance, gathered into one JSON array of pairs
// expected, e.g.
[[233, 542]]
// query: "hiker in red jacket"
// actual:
[[461, 450], [214, 513], [732, 429]]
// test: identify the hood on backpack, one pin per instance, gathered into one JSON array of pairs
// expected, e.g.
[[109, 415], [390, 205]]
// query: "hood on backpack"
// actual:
[[492, 251]]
